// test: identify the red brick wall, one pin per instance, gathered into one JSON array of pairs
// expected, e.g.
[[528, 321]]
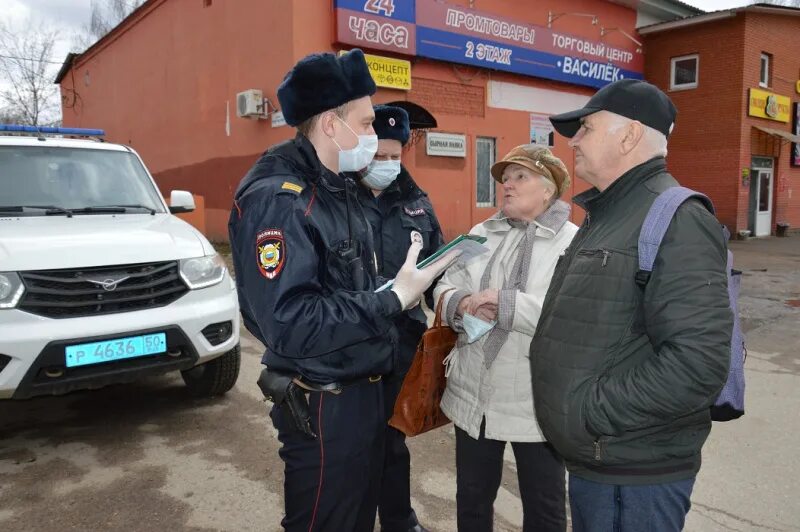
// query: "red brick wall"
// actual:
[[448, 97], [711, 143], [705, 146], [776, 35]]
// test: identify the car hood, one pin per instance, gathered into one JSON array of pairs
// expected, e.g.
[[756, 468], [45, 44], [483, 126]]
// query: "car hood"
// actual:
[[56, 242]]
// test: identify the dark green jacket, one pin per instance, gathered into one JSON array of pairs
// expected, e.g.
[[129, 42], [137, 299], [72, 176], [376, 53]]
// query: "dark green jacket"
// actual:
[[623, 376]]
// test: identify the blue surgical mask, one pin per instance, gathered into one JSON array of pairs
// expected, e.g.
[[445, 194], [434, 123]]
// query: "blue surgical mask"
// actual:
[[381, 174], [475, 327], [359, 157]]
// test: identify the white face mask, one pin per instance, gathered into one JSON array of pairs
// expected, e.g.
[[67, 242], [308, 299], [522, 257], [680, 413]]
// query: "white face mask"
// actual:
[[359, 157], [475, 327], [381, 174]]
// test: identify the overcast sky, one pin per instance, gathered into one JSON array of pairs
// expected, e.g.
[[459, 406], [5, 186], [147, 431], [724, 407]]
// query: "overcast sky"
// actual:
[[65, 13], [68, 16]]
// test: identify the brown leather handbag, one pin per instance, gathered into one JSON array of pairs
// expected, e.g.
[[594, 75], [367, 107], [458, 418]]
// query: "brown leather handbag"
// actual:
[[417, 407]]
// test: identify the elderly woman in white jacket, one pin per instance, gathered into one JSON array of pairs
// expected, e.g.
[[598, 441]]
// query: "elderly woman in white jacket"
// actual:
[[488, 395]]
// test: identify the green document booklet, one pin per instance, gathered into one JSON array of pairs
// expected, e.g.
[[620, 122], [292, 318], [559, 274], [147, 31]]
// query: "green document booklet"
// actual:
[[469, 245]]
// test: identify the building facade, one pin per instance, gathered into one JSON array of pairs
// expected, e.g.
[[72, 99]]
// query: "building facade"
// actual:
[[735, 78], [170, 79]]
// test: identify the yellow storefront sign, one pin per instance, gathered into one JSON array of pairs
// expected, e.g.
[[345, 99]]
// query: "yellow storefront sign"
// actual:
[[389, 72], [765, 104]]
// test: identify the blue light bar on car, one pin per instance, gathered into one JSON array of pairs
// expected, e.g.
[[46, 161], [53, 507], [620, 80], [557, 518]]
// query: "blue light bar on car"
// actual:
[[79, 131]]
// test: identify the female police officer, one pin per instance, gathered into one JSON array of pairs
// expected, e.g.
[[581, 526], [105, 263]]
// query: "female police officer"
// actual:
[[306, 280], [394, 206]]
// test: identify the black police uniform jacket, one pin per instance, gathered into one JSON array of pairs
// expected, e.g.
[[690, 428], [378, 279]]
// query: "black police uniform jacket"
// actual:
[[306, 290], [401, 208]]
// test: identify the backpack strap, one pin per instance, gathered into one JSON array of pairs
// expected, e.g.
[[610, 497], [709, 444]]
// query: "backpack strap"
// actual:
[[656, 224]]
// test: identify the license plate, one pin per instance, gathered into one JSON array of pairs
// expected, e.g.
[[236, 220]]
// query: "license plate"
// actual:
[[117, 349]]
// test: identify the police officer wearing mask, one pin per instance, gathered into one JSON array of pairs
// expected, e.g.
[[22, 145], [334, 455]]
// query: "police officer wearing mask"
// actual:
[[394, 206], [306, 279]]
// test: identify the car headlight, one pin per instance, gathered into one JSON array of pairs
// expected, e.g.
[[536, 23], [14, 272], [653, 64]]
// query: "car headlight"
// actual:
[[11, 290], [202, 272]]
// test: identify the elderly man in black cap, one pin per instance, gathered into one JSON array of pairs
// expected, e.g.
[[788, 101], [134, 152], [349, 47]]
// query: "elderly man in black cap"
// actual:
[[395, 205], [306, 278], [625, 368]]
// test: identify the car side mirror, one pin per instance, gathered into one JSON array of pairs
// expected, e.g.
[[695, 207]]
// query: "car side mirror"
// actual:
[[181, 201]]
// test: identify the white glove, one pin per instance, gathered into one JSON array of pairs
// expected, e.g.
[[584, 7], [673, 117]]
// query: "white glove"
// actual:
[[410, 283]]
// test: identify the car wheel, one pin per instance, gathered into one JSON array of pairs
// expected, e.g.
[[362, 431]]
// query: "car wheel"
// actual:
[[214, 377]]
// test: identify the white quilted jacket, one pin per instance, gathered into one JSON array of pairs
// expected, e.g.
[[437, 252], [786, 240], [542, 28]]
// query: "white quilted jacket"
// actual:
[[501, 393]]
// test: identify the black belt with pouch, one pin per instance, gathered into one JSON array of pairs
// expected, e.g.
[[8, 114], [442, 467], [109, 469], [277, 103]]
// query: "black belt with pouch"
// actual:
[[286, 394], [289, 393]]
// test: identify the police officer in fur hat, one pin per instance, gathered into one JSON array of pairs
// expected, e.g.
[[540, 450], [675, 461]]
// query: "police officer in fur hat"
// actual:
[[306, 279], [395, 205]]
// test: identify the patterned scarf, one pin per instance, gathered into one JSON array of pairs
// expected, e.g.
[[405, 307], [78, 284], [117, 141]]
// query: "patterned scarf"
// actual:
[[553, 218]]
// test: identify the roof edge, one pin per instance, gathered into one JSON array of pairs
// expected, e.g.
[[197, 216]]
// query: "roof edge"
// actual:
[[774, 9], [682, 23], [138, 13], [66, 66], [718, 15]]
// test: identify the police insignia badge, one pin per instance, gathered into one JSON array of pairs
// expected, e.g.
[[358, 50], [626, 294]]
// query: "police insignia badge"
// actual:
[[270, 252]]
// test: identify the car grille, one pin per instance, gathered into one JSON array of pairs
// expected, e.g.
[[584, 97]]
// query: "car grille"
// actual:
[[71, 293]]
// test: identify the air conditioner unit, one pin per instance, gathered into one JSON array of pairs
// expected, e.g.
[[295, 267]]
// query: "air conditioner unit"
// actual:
[[250, 104]]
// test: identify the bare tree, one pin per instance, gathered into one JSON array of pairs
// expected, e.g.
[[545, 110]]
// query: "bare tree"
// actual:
[[105, 15], [8, 116], [27, 69]]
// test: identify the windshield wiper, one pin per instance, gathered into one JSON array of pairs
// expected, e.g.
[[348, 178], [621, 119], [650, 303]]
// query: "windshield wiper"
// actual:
[[99, 210], [48, 209], [117, 208]]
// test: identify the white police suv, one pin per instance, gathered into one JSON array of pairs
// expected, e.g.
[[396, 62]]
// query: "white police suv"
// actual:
[[99, 282]]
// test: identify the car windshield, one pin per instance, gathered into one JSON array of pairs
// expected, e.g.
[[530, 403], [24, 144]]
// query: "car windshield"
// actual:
[[40, 180]]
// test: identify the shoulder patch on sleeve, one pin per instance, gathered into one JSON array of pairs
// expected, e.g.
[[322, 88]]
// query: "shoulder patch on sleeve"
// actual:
[[270, 252], [288, 185]]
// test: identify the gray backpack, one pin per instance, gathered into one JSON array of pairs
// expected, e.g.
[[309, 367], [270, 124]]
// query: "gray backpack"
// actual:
[[730, 403]]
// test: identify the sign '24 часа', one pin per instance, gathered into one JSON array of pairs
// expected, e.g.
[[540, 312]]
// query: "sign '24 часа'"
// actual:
[[438, 30]]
